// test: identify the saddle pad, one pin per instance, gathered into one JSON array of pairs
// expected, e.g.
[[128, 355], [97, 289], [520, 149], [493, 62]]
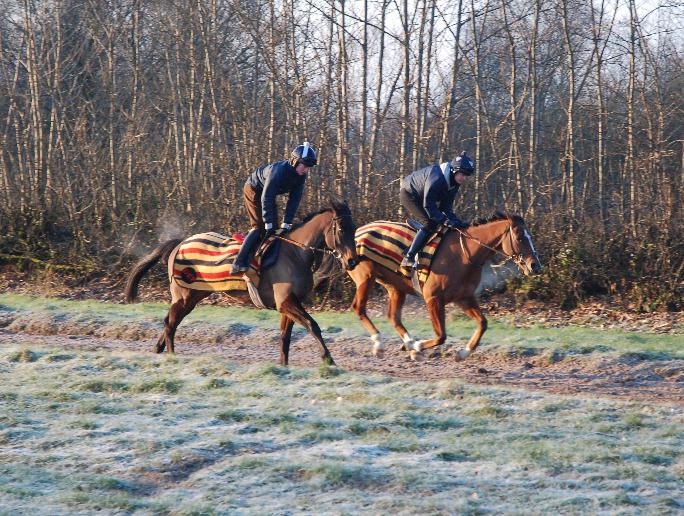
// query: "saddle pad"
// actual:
[[204, 260], [386, 242]]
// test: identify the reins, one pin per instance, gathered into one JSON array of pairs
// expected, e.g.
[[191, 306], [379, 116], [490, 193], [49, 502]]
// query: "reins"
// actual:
[[515, 258], [332, 252]]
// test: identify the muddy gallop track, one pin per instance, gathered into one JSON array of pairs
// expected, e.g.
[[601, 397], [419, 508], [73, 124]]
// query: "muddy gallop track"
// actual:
[[627, 376]]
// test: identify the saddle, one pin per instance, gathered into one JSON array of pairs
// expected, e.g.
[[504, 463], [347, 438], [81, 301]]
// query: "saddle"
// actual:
[[204, 260], [385, 243]]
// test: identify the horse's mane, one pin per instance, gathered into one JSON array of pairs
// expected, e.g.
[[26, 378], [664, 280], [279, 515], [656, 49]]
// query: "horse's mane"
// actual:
[[339, 207], [498, 215]]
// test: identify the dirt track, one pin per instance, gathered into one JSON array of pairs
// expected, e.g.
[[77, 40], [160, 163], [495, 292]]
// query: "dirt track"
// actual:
[[628, 377]]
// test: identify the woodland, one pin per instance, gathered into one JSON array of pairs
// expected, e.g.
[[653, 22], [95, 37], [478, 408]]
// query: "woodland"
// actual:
[[127, 122]]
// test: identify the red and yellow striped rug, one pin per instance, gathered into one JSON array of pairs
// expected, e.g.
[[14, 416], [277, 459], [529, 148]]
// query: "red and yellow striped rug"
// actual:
[[204, 260], [385, 242]]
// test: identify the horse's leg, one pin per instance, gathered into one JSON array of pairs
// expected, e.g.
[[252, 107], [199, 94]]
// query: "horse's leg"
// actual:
[[285, 335], [178, 310], [396, 303], [435, 306], [161, 341], [365, 279], [292, 308], [472, 309]]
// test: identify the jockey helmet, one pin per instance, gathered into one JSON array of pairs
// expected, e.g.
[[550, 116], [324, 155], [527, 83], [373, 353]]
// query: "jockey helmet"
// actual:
[[304, 154], [463, 164]]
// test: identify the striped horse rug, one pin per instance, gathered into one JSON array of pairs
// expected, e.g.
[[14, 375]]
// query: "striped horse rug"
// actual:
[[385, 243], [204, 260]]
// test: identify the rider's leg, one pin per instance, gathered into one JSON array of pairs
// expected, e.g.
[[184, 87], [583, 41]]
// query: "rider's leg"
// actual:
[[415, 209], [242, 260], [252, 200], [417, 244]]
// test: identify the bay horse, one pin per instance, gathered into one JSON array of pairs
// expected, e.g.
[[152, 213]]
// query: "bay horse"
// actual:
[[283, 286], [455, 273]]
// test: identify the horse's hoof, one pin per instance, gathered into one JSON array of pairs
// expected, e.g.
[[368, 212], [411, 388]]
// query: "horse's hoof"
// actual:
[[378, 347], [461, 355], [408, 344], [415, 355], [329, 361], [435, 353]]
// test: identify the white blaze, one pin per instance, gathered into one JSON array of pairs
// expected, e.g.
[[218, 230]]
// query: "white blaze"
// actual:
[[529, 239]]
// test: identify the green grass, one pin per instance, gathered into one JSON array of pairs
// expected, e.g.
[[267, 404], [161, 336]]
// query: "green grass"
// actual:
[[117, 432], [213, 323]]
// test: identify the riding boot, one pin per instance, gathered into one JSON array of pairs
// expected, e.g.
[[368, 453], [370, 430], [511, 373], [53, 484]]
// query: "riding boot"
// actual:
[[242, 259], [417, 244]]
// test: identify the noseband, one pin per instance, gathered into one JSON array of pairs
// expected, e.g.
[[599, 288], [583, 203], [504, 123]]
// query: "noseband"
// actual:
[[518, 259]]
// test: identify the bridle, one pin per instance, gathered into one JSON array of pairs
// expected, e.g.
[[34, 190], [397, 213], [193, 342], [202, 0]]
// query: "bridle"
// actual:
[[517, 259], [334, 224]]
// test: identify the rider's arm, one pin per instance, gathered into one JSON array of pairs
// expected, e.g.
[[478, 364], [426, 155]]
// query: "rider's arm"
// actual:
[[268, 196], [293, 201], [434, 186], [447, 204]]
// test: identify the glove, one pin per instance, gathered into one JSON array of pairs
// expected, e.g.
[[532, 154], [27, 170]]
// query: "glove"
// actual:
[[286, 226], [455, 224], [269, 230]]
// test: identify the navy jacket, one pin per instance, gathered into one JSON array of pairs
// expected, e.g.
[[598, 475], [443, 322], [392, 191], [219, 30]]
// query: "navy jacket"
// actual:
[[276, 179], [430, 186]]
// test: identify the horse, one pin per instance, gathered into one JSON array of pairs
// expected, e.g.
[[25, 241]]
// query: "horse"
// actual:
[[283, 286], [455, 273]]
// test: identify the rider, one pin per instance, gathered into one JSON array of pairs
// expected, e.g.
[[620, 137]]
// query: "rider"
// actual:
[[428, 195], [260, 191]]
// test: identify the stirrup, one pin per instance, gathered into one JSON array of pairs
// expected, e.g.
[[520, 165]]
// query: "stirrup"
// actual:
[[409, 263], [237, 269]]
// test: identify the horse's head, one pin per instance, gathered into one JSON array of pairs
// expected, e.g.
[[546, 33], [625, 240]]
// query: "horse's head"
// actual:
[[517, 243], [339, 235]]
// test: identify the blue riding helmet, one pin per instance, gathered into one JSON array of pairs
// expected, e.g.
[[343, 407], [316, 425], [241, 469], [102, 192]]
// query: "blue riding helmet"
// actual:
[[305, 154], [463, 164]]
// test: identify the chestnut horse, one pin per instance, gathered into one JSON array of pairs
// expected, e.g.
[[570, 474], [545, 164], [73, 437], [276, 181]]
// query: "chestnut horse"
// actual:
[[283, 286], [455, 273]]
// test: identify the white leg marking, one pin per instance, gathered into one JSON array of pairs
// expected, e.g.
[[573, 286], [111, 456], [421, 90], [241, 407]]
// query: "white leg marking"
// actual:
[[418, 345], [407, 341], [378, 345]]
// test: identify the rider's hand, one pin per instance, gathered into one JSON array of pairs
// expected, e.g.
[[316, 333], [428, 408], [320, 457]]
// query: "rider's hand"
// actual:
[[270, 231], [455, 224], [286, 226]]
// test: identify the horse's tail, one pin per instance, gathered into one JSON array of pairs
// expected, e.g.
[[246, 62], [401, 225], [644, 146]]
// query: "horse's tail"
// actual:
[[145, 264]]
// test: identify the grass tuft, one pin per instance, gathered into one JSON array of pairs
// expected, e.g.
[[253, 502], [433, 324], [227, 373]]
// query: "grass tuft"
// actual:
[[217, 383], [489, 411], [160, 385], [633, 420], [24, 355], [328, 371], [231, 416], [344, 475], [368, 413], [103, 386], [454, 456], [420, 421]]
